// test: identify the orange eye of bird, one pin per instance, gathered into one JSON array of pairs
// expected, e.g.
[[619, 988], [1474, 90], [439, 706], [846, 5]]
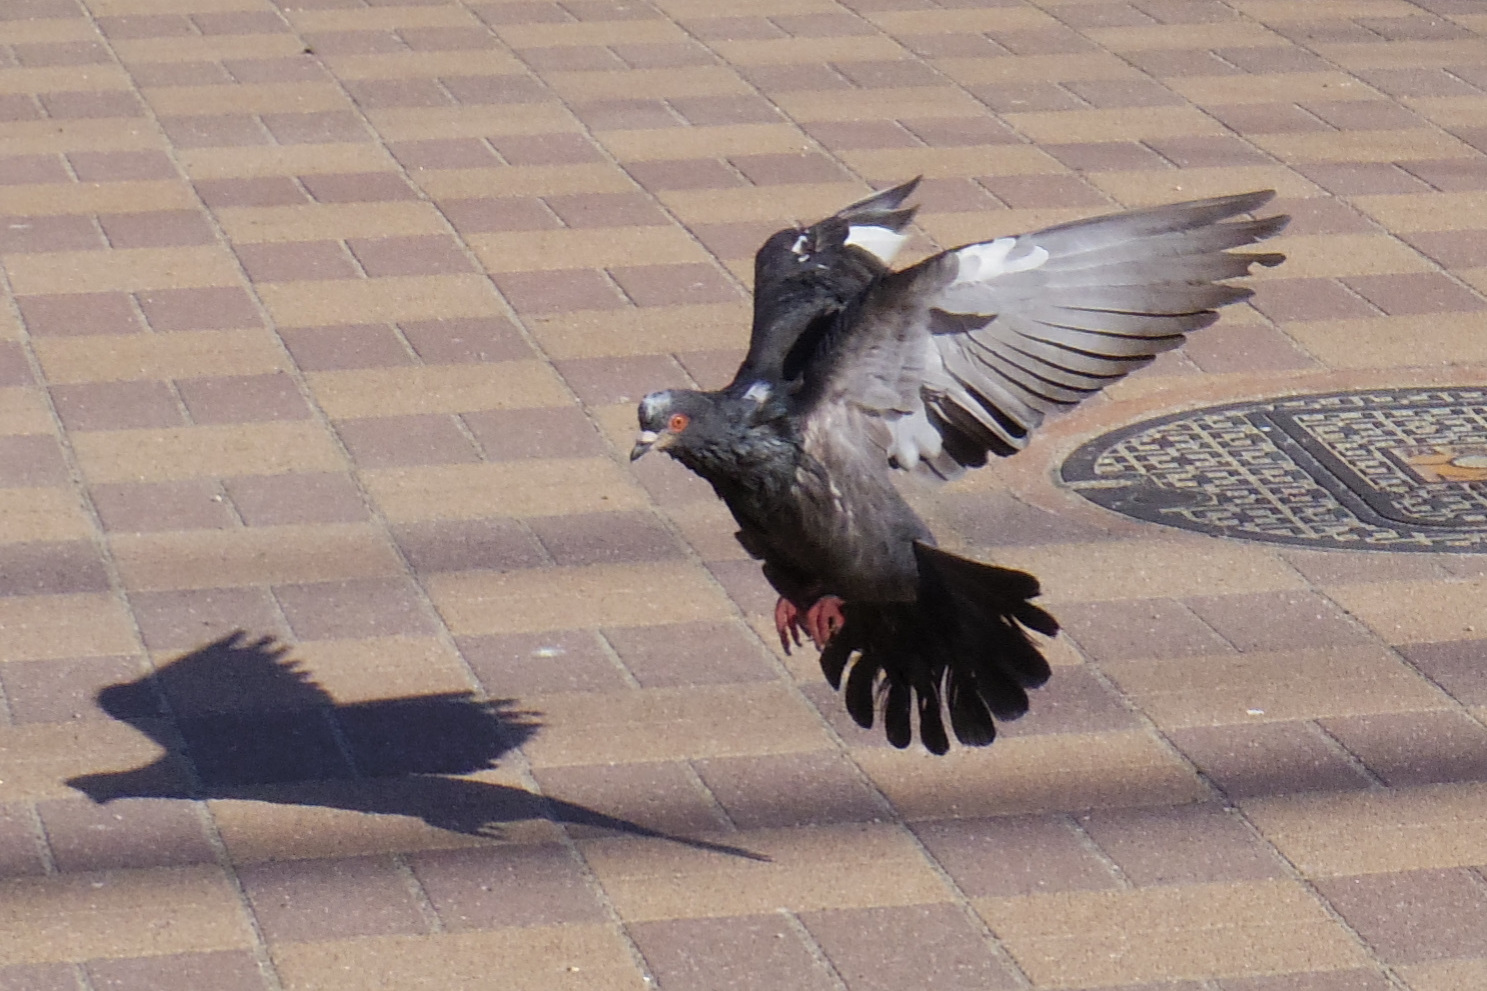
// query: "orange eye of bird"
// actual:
[[678, 422]]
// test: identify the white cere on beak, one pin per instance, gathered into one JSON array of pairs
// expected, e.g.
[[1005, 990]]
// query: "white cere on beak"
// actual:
[[647, 437], [798, 248], [759, 392]]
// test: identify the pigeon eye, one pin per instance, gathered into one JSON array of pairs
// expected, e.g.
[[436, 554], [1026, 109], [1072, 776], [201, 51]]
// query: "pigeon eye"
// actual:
[[678, 422]]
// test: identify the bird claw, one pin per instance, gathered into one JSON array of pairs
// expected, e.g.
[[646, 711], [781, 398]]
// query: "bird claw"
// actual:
[[787, 623], [821, 621], [824, 619]]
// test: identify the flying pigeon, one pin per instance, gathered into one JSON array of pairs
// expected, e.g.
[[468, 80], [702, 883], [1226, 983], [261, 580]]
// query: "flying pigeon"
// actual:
[[856, 373]]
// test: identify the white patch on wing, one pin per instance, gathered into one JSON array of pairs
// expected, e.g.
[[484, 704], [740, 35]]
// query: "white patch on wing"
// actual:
[[978, 266], [759, 392], [880, 242]]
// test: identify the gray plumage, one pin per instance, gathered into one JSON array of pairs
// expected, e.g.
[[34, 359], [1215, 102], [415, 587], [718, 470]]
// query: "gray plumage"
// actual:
[[854, 370]]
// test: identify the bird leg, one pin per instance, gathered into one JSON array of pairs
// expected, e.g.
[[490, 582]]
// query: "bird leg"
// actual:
[[820, 620]]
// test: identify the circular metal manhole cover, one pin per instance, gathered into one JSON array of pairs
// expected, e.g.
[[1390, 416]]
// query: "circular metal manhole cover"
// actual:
[[1387, 469]]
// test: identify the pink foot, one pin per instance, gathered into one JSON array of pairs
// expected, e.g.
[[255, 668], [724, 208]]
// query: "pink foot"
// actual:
[[787, 623], [823, 619]]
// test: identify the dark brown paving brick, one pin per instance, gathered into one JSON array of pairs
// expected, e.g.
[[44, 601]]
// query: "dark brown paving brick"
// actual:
[[745, 584], [296, 261], [64, 689], [687, 173], [753, 951], [31, 460], [18, 170], [314, 497], [124, 834], [605, 538], [493, 90], [1415, 293], [1412, 916], [542, 432], [493, 544], [505, 213], [540, 663], [1246, 348], [464, 341], [425, 439], [1415, 748], [1451, 175], [1361, 178], [243, 398], [503, 886], [1184, 844], [357, 187], [146, 507], [82, 313], [444, 153], [27, 235], [322, 349], [312, 900], [1453, 249], [606, 210], [117, 405], [888, 948], [295, 68], [1136, 628], [424, 255], [1268, 759], [1203, 151], [91, 105], [51, 568], [190, 618], [546, 149], [250, 191], [622, 379], [558, 291], [1074, 700], [316, 127], [14, 370], [362, 607], [689, 654], [1111, 156], [374, 94], [224, 970], [668, 483], [38, 977], [1458, 666], [1016, 855], [781, 790], [1274, 621], [1034, 191], [711, 369], [20, 849], [709, 111], [1267, 118], [662, 796], [1284, 300], [214, 308], [156, 229], [780, 169], [623, 115]]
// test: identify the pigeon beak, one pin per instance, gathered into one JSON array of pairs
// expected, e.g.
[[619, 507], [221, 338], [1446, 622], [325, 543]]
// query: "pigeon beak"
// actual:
[[645, 441]]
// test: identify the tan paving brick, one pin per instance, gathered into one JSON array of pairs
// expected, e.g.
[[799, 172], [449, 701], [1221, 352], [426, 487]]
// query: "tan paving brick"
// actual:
[[529, 487], [1393, 342], [1413, 612], [126, 269], [1189, 931], [1335, 834], [1218, 689], [1052, 772], [426, 297], [808, 869], [41, 514], [253, 556], [563, 958], [125, 913], [1124, 569], [552, 599], [436, 389], [40, 757], [189, 452], [182, 354], [46, 626]]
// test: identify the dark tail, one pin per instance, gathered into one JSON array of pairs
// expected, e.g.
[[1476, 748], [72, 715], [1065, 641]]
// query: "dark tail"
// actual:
[[962, 643]]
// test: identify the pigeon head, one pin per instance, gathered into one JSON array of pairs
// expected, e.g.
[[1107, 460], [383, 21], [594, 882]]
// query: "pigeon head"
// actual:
[[676, 417]]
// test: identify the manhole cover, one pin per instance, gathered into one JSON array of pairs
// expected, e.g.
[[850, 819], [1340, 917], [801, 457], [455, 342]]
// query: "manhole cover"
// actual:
[[1389, 469]]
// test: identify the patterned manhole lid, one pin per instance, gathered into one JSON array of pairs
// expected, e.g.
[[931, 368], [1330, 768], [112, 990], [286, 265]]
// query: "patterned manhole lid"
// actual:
[[1388, 469]]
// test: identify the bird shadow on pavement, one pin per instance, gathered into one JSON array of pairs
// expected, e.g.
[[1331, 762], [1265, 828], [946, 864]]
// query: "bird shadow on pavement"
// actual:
[[240, 719]]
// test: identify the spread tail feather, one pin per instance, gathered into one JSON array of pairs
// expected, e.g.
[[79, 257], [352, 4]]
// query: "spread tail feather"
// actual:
[[961, 647]]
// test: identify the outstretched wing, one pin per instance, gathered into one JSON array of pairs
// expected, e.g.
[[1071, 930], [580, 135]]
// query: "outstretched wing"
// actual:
[[962, 355], [804, 277]]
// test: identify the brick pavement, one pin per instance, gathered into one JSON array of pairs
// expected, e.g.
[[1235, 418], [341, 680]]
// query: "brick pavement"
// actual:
[[324, 322]]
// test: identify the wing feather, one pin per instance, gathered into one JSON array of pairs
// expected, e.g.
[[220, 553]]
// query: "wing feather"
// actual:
[[964, 354]]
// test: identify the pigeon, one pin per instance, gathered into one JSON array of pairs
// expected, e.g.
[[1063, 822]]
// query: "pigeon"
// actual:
[[856, 373]]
